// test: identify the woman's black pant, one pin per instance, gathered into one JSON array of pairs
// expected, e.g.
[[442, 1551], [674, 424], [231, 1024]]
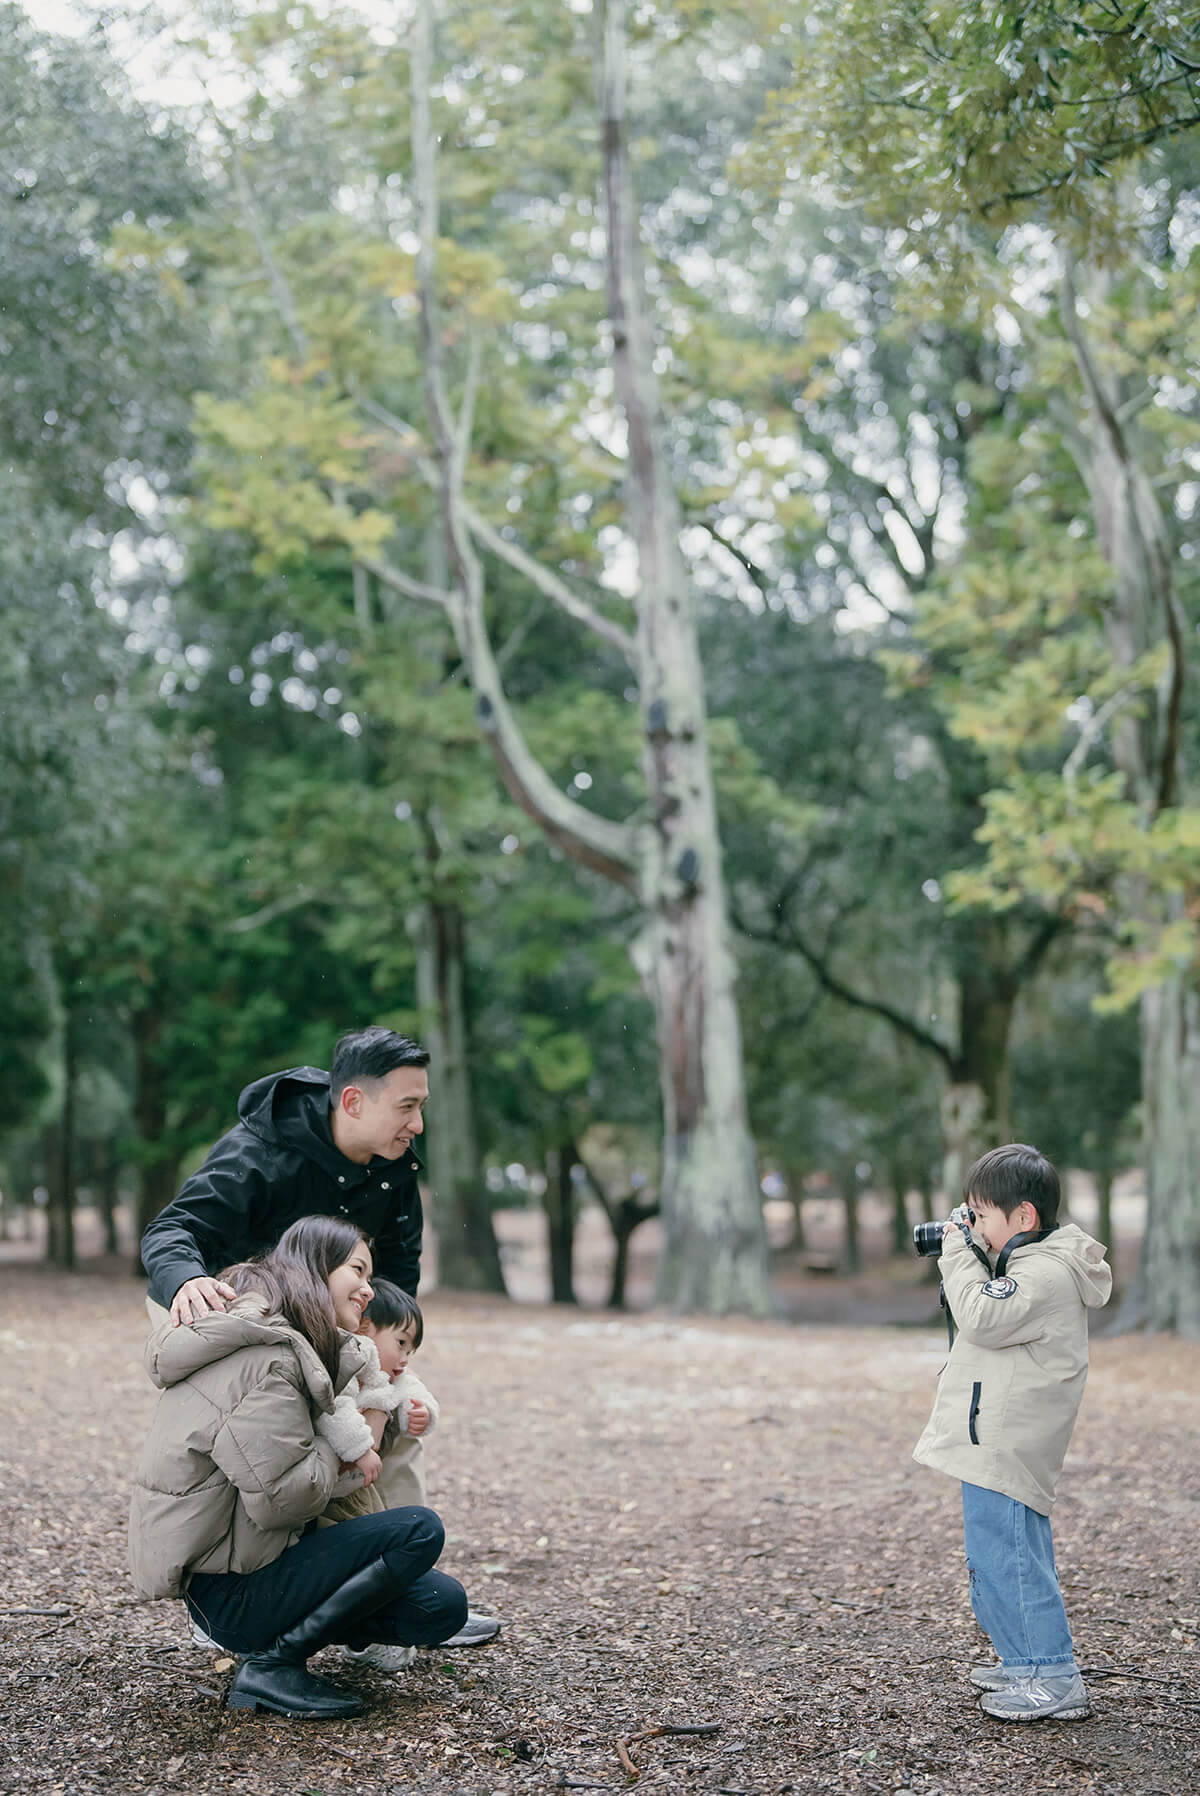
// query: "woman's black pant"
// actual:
[[246, 1611]]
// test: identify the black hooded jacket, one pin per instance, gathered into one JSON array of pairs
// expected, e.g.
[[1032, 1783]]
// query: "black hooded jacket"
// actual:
[[276, 1164]]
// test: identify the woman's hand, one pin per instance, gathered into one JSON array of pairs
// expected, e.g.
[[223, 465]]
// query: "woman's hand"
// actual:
[[418, 1417]]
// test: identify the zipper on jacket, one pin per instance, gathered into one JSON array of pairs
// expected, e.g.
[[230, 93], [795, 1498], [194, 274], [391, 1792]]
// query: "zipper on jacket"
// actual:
[[976, 1393]]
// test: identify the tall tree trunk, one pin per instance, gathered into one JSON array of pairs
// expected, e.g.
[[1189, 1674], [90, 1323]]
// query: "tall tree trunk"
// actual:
[[851, 1248], [714, 1238], [1144, 613], [976, 1106], [1104, 1205], [1168, 1285], [468, 1252], [158, 1162], [625, 1217], [60, 1239], [901, 1229], [715, 1250], [51, 1145], [795, 1185], [108, 1173], [561, 1214], [158, 1181]]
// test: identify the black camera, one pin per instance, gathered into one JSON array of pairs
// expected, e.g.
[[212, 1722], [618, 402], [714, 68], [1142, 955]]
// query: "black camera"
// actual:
[[927, 1236]]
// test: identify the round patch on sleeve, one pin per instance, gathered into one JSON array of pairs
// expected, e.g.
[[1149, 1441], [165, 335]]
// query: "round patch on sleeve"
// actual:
[[1000, 1287]]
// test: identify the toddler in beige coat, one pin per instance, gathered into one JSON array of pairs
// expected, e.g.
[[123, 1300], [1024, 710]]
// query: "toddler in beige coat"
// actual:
[[391, 1331]]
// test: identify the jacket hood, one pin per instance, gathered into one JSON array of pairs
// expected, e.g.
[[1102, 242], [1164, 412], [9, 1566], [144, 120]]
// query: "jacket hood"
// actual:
[[173, 1353], [292, 1108], [1083, 1257]]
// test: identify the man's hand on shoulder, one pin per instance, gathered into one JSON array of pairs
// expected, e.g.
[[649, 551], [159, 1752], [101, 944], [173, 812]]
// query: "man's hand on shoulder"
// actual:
[[200, 1297]]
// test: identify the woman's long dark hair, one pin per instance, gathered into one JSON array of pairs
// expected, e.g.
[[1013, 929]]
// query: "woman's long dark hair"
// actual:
[[293, 1278]]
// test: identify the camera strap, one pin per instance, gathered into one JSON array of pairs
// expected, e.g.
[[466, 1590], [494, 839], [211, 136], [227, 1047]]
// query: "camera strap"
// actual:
[[1030, 1238]]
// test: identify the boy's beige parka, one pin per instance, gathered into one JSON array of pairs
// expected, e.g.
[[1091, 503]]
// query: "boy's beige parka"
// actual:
[[1010, 1391], [233, 1469]]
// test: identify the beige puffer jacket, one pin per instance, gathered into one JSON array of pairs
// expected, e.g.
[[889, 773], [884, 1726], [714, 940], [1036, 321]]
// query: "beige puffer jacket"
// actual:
[[233, 1469], [1010, 1391]]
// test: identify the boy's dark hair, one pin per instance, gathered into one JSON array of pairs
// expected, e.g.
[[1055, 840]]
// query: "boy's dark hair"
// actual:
[[371, 1054], [1012, 1175], [393, 1308]]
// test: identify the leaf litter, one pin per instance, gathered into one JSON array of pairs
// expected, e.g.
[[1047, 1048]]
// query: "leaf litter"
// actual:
[[692, 1601]]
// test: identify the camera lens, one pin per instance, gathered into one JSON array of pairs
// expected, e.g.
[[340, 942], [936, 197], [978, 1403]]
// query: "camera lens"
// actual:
[[927, 1238]]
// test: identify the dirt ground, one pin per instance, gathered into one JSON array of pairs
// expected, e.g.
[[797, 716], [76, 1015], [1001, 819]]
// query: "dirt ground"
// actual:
[[684, 1525]]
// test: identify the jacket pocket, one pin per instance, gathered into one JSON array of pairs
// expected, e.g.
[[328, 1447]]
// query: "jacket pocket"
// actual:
[[973, 1415]]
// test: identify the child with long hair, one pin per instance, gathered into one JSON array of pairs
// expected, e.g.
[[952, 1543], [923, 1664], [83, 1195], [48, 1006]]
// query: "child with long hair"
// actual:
[[236, 1470]]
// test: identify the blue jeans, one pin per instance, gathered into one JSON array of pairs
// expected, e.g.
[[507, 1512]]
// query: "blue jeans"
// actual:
[[246, 1611], [1014, 1585]]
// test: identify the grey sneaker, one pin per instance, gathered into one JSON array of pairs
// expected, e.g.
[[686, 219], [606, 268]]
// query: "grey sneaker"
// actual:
[[991, 1677], [474, 1631], [379, 1657], [1039, 1699]]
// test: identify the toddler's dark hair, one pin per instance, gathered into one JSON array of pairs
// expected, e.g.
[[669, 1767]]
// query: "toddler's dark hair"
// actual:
[[393, 1308], [1012, 1175]]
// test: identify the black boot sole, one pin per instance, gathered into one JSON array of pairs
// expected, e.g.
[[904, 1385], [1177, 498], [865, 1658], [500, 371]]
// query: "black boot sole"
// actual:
[[341, 1713]]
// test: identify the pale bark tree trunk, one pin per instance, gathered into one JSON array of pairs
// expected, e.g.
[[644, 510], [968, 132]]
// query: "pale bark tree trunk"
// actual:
[[714, 1240], [1144, 613], [1167, 1294], [468, 1253], [714, 1257]]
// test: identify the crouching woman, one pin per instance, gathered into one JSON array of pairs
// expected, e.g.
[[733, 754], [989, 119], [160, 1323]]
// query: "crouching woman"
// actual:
[[236, 1470]]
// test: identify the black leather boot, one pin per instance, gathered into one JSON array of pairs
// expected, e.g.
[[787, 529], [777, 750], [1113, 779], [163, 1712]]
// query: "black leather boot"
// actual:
[[277, 1680]]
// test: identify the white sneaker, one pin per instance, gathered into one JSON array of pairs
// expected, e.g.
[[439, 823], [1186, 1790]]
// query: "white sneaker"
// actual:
[[475, 1631], [1062, 1698], [380, 1657], [992, 1677]]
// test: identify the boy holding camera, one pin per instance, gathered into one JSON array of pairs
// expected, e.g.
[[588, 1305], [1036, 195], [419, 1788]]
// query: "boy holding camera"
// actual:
[[1005, 1409]]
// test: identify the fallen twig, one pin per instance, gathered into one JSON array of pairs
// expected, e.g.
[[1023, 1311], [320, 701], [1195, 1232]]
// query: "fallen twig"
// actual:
[[1124, 1671], [627, 1763], [45, 1633], [58, 1609], [660, 1732]]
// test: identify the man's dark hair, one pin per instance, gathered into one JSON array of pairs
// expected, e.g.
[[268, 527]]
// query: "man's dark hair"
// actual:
[[371, 1054], [1010, 1176], [391, 1307]]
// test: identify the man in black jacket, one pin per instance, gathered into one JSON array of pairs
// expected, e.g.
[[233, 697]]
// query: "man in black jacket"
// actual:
[[307, 1143]]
